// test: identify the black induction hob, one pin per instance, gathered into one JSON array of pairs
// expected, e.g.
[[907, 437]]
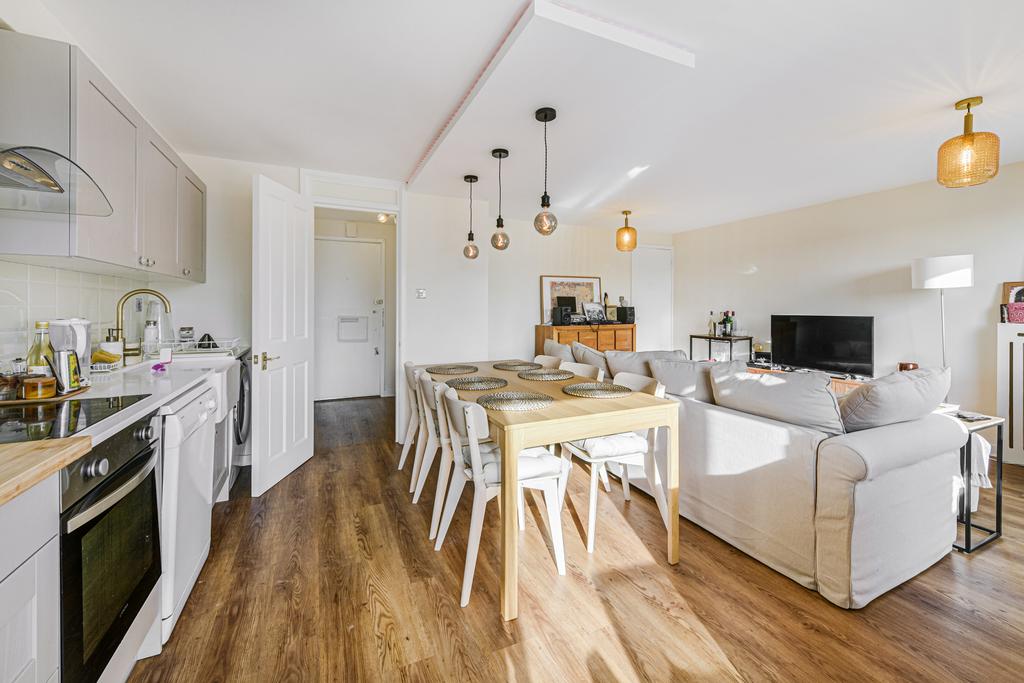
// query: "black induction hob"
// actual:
[[60, 419]]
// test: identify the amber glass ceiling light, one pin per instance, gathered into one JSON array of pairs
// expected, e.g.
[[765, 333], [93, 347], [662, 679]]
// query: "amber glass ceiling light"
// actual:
[[499, 240], [971, 158], [625, 237], [545, 222], [470, 251]]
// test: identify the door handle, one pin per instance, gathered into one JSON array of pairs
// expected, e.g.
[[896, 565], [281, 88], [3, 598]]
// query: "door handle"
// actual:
[[267, 359]]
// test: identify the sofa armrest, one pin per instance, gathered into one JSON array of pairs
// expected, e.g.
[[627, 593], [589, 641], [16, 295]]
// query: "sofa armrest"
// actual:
[[870, 453]]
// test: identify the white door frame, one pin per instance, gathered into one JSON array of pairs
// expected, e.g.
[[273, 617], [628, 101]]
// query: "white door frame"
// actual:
[[383, 288], [361, 193], [672, 288]]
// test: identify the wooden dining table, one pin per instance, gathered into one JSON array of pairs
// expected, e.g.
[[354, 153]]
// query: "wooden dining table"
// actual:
[[568, 418]]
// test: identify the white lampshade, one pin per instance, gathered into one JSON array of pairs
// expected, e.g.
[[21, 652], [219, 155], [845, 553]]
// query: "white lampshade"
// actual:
[[943, 272]]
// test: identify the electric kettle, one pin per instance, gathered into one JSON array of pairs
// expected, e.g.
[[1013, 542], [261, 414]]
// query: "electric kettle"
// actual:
[[72, 334]]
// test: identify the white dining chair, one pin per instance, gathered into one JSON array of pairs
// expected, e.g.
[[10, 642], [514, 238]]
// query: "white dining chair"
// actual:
[[414, 412], [547, 361], [481, 464], [436, 433], [625, 449], [583, 370]]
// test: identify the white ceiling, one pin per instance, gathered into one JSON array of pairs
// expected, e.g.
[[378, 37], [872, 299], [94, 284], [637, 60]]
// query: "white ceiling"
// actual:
[[790, 103]]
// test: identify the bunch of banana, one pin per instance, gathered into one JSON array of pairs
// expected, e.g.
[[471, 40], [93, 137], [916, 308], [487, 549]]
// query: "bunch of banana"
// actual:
[[101, 356]]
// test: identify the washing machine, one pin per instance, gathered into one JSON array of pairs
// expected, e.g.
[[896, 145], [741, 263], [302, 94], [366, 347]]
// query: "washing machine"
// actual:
[[242, 446]]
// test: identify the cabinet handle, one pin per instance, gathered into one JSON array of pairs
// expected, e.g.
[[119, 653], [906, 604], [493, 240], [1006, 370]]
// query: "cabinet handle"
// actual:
[[142, 261], [186, 271], [152, 262]]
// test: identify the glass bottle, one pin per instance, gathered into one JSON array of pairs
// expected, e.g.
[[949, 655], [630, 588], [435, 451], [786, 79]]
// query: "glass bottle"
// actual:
[[41, 350], [711, 323]]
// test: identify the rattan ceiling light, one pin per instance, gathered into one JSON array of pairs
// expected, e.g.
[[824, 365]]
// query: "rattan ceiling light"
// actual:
[[971, 158], [625, 237]]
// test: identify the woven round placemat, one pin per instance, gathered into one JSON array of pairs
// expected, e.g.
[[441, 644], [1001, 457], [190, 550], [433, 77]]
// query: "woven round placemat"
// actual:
[[596, 390], [517, 365], [452, 369], [546, 375], [514, 400], [477, 383]]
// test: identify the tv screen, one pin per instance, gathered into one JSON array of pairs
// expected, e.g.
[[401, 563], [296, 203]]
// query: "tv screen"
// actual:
[[833, 343]]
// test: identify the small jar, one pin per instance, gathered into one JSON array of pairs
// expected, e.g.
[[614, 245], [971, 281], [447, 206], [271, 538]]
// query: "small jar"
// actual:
[[151, 338], [36, 387]]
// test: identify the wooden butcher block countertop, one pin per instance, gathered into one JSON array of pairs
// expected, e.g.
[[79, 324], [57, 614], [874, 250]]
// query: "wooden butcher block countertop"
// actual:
[[25, 464]]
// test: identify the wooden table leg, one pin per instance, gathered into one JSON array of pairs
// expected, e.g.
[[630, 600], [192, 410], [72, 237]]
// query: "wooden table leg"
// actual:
[[511, 444], [672, 485]]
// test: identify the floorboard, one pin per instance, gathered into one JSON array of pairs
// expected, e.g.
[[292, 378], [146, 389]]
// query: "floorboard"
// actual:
[[330, 577]]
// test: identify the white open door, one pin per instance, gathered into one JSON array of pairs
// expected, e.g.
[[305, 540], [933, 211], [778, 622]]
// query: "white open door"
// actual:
[[282, 332], [651, 290]]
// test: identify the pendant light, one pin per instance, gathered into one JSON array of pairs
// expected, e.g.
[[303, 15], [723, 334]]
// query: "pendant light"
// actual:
[[971, 158], [545, 222], [499, 240], [470, 251], [625, 237]]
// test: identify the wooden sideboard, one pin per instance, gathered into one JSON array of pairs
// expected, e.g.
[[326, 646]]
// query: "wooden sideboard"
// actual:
[[617, 337], [839, 386]]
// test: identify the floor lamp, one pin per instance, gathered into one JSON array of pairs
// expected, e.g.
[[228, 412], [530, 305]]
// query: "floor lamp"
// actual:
[[942, 273]]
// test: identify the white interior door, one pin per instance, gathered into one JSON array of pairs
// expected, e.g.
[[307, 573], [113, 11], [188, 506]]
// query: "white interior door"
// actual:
[[349, 318], [282, 332], [652, 283]]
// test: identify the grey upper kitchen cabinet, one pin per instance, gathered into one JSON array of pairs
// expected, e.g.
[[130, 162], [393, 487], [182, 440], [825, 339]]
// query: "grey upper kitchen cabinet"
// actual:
[[64, 103]]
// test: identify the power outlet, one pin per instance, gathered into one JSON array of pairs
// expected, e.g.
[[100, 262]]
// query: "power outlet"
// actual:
[[421, 294]]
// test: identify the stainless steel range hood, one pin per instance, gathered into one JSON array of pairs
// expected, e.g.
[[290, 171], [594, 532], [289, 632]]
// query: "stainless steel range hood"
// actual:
[[41, 180]]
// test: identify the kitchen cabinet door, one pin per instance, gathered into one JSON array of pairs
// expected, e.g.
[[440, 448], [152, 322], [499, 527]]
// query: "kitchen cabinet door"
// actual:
[[160, 171], [107, 136], [30, 618], [191, 226]]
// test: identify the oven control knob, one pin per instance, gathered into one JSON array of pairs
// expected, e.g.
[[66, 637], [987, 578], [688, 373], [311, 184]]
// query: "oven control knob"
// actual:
[[97, 468], [145, 433]]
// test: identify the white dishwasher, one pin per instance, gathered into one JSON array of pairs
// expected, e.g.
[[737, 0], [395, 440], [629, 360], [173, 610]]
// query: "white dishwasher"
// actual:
[[187, 498]]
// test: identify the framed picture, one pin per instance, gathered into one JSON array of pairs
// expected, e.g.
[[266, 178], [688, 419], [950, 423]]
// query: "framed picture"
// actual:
[[1013, 292], [594, 312], [583, 289]]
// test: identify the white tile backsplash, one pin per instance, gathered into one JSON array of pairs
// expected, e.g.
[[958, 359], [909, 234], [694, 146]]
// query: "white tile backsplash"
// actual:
[[30, 293]]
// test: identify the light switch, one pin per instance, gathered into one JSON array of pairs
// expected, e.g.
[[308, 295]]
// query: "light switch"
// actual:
[[421, 294]]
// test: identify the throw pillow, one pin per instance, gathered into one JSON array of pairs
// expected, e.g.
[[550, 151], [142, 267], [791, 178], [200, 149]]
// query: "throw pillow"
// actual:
[[637, 362], [687, 378], [800, 398], [553, 348], [585, 354], [899, 397]]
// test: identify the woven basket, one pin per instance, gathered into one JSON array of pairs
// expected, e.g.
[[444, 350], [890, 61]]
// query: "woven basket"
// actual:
[[452, 369], [515, 400], [546, 375], [476, 383], [596, 390], [517, 365]]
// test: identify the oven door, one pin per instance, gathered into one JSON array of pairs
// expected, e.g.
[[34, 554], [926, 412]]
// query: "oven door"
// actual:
[[110, 563]]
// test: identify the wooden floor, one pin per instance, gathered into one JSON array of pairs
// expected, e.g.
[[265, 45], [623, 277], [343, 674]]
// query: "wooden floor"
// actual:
[[330, 577]]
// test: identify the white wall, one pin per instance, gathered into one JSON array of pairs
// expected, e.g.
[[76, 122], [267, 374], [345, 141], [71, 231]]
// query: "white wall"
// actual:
[[852, 257], [329, 227], [514, 275], [222, 305]]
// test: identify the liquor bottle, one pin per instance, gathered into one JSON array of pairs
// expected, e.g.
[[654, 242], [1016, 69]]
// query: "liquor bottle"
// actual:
[[711, 323], [41, 350]]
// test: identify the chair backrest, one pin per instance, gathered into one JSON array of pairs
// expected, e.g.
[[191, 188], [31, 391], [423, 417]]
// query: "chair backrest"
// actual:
[[547, 361], [636, 382], [432, 404], [411, 374], [467, 425], [583, 370]]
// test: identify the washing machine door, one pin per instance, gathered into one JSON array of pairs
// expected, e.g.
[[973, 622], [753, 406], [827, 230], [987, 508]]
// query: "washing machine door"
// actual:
[[243, 412]]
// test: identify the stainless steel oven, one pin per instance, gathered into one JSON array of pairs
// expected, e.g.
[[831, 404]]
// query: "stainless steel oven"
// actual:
[[109, 547]]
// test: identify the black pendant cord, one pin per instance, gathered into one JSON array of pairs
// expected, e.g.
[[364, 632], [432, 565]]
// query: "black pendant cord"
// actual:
[[545, 158], [501, 223], [471, 212]]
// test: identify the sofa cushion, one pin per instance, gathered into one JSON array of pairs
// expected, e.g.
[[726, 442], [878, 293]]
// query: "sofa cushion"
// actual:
[[688, 378], [585, 354], [899, 397], [800, 398], [553, 348], [637, 362]]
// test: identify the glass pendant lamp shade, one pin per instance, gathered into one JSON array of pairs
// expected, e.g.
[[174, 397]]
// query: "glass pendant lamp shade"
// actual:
[[971, 158], [470, 251], [625, 237], [545, 222], [500, 239]]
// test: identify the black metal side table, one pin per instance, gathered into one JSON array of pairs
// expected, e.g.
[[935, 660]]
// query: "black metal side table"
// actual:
[[964, 508], [730, 340]]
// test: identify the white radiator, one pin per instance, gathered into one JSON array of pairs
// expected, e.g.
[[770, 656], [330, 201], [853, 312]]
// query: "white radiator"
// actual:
[[1010, 388]]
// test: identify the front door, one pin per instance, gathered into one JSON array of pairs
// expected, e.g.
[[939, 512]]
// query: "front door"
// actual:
[[282, 332], [349, 318]]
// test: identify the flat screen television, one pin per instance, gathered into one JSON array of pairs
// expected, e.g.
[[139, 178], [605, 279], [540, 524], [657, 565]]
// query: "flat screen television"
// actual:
[[833, 343]]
